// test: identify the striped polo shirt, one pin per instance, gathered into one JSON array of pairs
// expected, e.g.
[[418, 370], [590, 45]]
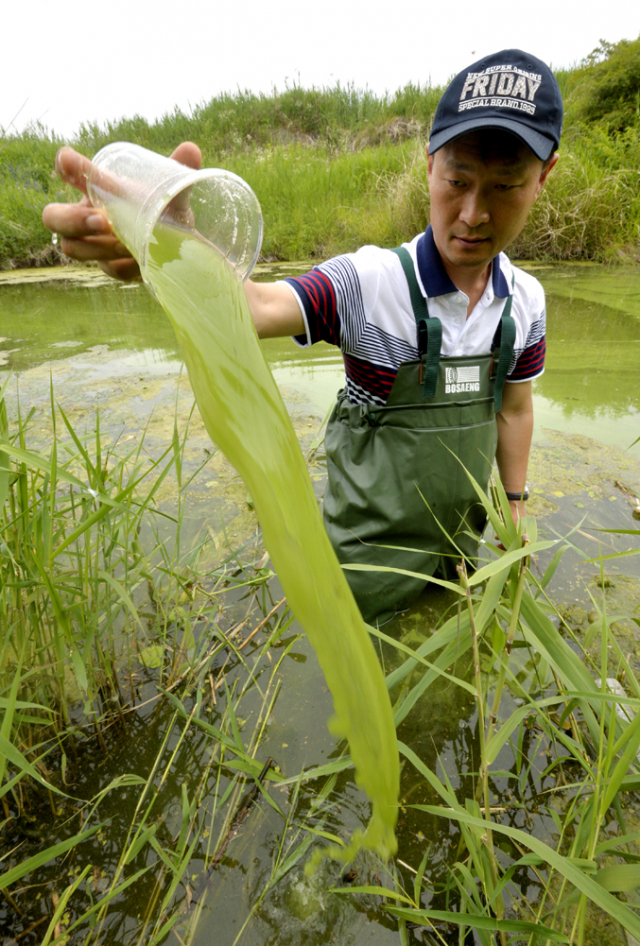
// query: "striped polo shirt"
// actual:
[[361, 303]]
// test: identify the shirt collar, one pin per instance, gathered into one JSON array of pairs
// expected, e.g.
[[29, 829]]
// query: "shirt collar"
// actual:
[[434, 277]]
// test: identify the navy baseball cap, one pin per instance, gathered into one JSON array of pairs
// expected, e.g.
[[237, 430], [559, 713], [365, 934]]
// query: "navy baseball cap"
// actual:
[[511, 90]]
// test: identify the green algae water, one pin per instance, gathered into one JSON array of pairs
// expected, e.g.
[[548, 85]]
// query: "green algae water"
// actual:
[[245, 416]]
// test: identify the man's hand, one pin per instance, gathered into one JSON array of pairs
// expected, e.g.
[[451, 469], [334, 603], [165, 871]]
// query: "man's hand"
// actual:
[[86, 235], [84, 230], [518, 510]]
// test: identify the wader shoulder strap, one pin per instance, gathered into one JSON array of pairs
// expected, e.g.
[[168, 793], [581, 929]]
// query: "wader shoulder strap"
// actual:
[[429, 329], [507, 344]]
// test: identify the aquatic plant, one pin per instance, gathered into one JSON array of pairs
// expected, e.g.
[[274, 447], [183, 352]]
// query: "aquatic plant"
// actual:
[[72, 560], [545, 814], [572, 738], [74, 581], [92, 602]]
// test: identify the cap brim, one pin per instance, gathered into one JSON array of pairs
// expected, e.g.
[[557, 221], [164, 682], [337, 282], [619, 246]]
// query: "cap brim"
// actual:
[[541, 146]]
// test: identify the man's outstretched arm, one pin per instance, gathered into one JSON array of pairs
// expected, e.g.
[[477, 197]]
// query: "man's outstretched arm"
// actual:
[[515, 429]]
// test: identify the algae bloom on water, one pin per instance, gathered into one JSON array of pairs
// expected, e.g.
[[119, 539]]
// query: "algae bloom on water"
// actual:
[[245, 416]]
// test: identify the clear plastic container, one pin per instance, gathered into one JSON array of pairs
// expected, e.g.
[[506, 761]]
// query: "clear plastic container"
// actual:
[[138, 188]]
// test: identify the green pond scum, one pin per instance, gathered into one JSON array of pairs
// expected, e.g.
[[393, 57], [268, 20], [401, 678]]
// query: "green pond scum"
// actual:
[[245, 416]]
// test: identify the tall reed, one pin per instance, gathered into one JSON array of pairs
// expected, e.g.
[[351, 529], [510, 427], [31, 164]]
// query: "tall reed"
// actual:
[[585, 751], [73, 577], [89, 594], [67, 552]]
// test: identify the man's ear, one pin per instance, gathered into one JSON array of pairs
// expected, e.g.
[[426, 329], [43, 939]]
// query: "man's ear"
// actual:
[[548, 167], [429, 163]]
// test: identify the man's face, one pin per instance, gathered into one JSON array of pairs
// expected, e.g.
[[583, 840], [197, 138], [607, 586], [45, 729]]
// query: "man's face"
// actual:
[[482, 187]]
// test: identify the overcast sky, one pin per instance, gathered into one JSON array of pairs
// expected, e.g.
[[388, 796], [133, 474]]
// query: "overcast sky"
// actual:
[[92, 61]]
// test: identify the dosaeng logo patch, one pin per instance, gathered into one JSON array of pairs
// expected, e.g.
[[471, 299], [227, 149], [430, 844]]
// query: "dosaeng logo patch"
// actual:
[[461, 379], [501, 87]]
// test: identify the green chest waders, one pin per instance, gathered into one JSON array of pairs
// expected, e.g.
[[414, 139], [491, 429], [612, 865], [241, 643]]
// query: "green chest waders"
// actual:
[[397, 492]]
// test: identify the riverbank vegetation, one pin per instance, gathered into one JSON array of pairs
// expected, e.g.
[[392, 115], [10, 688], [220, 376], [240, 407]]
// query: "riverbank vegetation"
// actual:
[[339, 167], [106, 628]]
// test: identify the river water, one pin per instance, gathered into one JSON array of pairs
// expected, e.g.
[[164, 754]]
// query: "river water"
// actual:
[[110, 348]]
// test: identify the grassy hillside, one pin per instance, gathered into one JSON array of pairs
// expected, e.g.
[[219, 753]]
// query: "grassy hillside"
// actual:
[[339, 167]]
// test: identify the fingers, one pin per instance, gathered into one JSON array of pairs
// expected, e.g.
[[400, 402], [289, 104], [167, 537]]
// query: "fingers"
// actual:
[[94, 248], [179, 210], [125, 269], [85, 231], [73, 168], [75, 220], [518, 510], [189, 154]]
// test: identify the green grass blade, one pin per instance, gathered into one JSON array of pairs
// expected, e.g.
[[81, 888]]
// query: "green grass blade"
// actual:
[[9, 713], [586, 884], [43, 857], [607, 558], [120, 590], [405, 649], [621, 878], [446, 794], [62, 904], [320, 771], [403, 571], [544, 637], [479, 922], [380, 891], [552, 566], [12, 754], [490, 597], [417, 880], [631, 738], [507, 559], [293, 859], [37, 462], [452, 652]]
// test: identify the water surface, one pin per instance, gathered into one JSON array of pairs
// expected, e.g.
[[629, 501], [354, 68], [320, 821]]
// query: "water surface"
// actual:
[[110, 347]]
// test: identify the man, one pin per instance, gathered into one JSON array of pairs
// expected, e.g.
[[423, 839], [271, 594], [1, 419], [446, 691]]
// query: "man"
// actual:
[[441, 338]]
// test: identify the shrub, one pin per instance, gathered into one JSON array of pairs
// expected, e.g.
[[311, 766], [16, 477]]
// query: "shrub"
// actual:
[[606, 85]]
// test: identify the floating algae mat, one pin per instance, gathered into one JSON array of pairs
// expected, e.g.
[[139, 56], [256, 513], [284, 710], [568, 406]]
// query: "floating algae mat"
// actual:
[[245, 416]]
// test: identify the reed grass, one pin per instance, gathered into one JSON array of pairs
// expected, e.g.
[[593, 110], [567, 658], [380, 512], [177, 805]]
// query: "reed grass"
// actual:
[[27, 183], [91, 599], [75, 603], [338, 117], [72, 562], [588, 210], [587, 745]]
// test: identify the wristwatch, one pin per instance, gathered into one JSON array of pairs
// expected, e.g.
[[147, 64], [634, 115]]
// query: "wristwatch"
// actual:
[[516, 497]]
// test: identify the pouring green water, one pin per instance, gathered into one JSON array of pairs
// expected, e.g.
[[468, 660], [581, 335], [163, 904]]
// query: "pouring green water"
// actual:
[[244, 414]]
